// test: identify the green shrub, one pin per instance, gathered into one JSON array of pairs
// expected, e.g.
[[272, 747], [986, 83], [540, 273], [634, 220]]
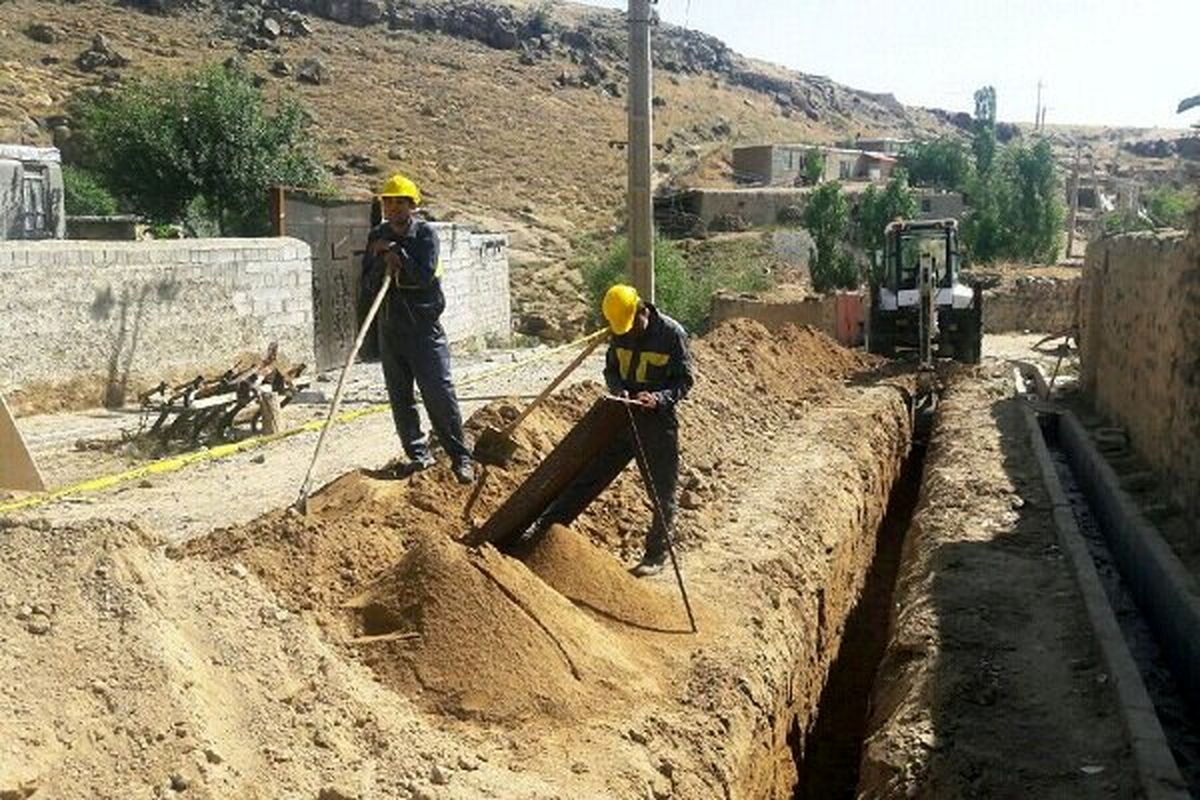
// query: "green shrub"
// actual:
[[827, 219], [814, 166], [684, 287], [162, 143], [85, 196]]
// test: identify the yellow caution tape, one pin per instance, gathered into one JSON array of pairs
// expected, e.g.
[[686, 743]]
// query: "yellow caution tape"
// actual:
[[176, 463]]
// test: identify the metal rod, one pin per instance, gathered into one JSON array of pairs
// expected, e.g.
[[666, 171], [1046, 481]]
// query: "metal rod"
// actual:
[[660, 520], [641, 151]]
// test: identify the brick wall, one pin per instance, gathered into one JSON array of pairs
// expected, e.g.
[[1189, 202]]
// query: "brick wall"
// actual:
[[1140, 349], [118, 316]]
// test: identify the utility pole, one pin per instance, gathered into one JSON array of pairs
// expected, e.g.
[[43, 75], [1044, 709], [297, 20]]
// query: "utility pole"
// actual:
[[641, 149], [1037, 117], [1074, 204]]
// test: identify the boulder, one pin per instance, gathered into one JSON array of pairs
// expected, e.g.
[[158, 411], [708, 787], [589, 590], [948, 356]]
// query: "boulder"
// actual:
[[100, 54], [312, 71], [42, 32]]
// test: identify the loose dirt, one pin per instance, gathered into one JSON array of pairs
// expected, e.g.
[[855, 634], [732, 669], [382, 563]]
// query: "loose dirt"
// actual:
[[361, 652]]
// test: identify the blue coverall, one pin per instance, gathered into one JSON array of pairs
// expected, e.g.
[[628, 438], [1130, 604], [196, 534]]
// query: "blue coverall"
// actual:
[[412, 344], [658, 362]]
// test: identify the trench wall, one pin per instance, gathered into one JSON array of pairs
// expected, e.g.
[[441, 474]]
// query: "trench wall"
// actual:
[[112, 317], [1140, 350]]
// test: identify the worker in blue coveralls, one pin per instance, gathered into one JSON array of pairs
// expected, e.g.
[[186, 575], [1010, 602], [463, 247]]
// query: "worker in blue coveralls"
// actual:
[[648, 362], [412, 342]]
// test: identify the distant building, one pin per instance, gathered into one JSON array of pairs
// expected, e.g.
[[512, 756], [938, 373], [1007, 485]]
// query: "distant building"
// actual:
[[886, 145], [934, 204], [31, 193], [783, 164]]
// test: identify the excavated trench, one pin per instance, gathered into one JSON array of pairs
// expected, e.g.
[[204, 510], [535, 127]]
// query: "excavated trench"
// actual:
[[824, 738], [827, 759]]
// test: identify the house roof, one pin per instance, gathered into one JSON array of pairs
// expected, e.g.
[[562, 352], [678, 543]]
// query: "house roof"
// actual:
[[24, 152]]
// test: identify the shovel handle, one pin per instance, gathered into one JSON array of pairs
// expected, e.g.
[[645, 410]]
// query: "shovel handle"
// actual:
[[593, 342], [337, 395]]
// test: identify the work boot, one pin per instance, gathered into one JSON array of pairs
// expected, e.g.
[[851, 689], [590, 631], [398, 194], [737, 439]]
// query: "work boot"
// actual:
[[465, 472], [648, 566], [413, 466]]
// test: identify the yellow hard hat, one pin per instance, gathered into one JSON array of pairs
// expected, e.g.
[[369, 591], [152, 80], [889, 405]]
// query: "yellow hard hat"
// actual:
[[620, 306], [400, 186]]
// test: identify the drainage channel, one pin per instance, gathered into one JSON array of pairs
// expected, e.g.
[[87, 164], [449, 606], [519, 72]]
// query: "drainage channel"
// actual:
[[1180, 723], [827, 759]]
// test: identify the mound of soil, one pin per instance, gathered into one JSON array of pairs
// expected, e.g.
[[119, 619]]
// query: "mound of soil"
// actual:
[[477, 635], [594, 580]]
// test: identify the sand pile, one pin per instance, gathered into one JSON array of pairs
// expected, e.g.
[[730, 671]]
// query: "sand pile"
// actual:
[[594, 580], [475, 634]]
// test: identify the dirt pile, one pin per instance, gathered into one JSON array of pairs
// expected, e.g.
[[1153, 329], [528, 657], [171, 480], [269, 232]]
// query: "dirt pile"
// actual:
[[594, 580], [359, 649], [475, 634], [124, 673]]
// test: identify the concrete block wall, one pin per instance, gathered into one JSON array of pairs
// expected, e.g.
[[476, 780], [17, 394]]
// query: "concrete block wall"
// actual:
[[120, 316], [1139, 317], [475, 281]]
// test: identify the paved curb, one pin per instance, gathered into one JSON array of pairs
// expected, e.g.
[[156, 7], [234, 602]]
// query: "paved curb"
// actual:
[[1159, 775], [1164, 589]]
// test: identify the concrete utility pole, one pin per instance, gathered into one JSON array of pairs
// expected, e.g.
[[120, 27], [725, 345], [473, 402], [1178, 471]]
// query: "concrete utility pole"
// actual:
[[1037, 117], [1074, 204], [641, 149]]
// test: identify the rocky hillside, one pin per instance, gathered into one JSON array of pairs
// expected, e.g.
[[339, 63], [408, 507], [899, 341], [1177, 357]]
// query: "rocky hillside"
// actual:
[[510, 115]]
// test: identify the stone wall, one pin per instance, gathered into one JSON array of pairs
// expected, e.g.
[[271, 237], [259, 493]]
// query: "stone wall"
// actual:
[[1140, 349], [1045, 305], [112, 317]]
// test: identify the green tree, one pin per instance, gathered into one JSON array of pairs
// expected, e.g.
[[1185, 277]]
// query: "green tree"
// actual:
[[84, 195], [813, 167], [943, 163], [827, 219], [1016, 212], [983, 143], [684, 290], [1032, 210], [204, 140], [878, 208], [1169, 207]]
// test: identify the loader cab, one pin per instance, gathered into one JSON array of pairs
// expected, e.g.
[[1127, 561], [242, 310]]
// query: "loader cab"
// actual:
[[913, 245], [918, 300]]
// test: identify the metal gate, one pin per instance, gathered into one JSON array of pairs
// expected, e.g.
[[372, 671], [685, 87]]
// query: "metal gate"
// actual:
[[336, 230]]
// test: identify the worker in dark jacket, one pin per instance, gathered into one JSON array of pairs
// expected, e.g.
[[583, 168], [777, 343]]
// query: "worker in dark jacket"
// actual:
[[648, 362], [412, 343]]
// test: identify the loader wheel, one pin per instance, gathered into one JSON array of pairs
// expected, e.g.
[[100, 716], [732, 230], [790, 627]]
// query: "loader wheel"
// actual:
[[969, 342], [881, 340]]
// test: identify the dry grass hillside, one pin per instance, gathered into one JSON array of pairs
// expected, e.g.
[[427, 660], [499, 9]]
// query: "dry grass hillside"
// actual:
[[509, 124]]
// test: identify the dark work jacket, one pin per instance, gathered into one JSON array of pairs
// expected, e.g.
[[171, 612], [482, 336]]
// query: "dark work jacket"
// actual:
[[658, 361], [415, 301]]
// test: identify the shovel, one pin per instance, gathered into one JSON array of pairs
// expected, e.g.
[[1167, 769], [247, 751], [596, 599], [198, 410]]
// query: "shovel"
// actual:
[[301, 503], [495, 447]]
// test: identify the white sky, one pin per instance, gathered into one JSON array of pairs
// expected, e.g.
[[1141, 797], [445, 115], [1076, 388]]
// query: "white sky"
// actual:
[[1111, 62]]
